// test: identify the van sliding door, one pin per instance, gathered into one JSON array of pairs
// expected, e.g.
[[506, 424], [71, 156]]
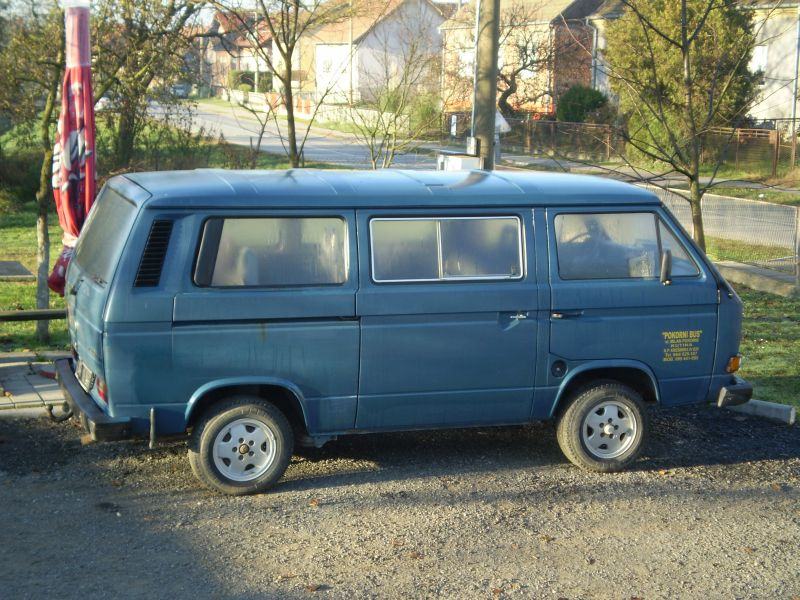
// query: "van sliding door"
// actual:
[[448, 309]]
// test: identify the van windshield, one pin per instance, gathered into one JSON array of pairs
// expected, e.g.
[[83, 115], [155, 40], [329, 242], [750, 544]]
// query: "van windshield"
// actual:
[[104, 235]]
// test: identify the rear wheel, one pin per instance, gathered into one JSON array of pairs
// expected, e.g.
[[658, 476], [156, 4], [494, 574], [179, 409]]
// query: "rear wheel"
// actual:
[[603, 428], [241, 446]]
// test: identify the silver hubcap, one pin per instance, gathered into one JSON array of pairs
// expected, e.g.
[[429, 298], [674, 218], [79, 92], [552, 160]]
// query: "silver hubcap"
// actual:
[[609, 430], [244, 449]]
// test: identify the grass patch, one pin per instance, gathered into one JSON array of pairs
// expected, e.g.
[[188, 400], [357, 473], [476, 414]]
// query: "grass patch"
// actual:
[[771, 346], [18, 242], [722, 249], [763, 194]]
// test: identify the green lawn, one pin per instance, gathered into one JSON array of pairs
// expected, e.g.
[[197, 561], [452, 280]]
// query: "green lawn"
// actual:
[[771, 346], [18, 242]]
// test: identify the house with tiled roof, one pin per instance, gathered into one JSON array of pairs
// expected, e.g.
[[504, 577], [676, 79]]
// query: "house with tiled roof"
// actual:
[[341, 61], [544, 49], [233, 44]]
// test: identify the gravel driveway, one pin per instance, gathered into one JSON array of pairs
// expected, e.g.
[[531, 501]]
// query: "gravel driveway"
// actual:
[[713, 510]]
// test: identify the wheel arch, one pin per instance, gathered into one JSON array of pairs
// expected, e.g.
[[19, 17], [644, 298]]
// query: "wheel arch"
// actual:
[[635, 374], [285, 395]]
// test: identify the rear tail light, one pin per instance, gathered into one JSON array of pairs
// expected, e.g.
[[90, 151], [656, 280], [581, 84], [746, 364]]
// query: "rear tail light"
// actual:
[[734, 362], [100, 384]]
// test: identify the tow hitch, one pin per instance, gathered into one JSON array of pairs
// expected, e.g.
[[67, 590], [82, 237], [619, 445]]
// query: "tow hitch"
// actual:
[[65, 414]]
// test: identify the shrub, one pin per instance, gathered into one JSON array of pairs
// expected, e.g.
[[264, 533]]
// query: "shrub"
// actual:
[[245, 87], [579, 104]]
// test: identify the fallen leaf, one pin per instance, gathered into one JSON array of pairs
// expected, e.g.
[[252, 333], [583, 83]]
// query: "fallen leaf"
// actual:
[[86, 439], [285, 576], [497, 591], [312, 587], [397, 543], [314, 502], [663, 472], [546, 538], [748, 549], [414, 554], [776, 487], [116, 483]]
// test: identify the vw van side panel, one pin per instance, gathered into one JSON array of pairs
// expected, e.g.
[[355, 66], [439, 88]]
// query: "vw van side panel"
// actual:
[[306, 337]]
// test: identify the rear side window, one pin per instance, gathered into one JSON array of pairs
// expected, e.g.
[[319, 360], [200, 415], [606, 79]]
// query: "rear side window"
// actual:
[[272, 252], [104, 235], [446, 249], [616, 246]]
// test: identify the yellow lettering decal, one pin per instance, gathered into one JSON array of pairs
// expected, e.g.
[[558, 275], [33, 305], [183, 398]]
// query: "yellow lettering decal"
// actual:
[[681, 346]]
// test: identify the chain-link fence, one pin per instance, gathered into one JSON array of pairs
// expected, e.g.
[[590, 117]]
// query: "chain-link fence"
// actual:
[[746, 231]]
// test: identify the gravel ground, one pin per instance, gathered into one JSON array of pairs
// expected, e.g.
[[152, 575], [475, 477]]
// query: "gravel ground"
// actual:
[[712, 510]]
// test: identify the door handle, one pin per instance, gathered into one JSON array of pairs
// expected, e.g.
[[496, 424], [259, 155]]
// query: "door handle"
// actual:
[[520, 315], [566, 314]]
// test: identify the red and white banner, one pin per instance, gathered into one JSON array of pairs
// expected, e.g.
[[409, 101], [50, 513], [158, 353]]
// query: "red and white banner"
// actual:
[[74, 184]]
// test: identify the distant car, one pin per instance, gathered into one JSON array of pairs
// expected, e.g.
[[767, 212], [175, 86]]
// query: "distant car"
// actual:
[[181, 90], [262, 310]]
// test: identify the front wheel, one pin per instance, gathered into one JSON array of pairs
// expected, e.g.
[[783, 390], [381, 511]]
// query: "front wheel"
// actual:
[[603, 428], [241, 446]]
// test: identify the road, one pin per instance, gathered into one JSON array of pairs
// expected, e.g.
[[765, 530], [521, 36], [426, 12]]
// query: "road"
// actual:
[[322, 145]]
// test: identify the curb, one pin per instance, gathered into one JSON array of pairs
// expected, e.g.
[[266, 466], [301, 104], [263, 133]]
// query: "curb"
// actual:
[[783, 413]]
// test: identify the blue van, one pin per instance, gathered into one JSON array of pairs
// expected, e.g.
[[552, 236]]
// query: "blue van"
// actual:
[[259, 310]]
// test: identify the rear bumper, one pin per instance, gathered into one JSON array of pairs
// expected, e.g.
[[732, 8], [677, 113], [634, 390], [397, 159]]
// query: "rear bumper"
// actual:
[[735, 393], [100, 426]]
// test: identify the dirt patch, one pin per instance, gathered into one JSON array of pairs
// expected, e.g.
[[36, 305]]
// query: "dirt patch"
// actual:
[[713, 509]]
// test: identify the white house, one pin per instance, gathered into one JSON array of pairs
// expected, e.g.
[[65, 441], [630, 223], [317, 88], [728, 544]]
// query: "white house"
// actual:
[[374, 42]]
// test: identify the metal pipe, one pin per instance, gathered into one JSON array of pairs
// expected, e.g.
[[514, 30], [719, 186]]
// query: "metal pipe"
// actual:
[[794, 90], [40, 314]]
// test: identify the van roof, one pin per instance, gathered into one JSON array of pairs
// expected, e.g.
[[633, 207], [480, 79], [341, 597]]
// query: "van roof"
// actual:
[[314, 188]]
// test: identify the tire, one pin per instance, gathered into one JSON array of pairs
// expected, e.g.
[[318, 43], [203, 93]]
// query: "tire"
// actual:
[[254, 443], [583, 428]]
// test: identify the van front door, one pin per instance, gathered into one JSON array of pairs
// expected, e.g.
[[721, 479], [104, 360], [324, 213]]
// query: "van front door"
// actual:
[[608, 303], [448, 313]]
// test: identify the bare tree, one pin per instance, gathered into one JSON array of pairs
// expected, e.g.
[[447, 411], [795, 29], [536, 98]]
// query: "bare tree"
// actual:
[[31, 66], [284, 23], [398, 99], [140, 46]]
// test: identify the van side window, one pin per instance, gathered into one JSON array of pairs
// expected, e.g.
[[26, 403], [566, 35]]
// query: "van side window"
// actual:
[[616, 246], [272, 252], [446, 249]]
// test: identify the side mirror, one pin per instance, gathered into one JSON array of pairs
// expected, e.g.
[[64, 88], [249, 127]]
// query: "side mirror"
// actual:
[[666, 267]]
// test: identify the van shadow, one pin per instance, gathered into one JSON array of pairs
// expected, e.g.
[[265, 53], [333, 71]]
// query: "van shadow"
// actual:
[[680, 438]]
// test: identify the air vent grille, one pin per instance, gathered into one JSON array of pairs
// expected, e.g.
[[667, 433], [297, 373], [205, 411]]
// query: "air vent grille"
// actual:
[[155, 250]]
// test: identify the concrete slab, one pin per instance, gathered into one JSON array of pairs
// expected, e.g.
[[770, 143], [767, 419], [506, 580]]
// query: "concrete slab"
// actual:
[[12, 270], [21, 385], [763, 280]]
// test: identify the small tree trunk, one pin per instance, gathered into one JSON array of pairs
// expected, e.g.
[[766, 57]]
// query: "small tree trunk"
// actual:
[[43, 199], [695, 198], [43, 251], [288, 100], [126, 134]]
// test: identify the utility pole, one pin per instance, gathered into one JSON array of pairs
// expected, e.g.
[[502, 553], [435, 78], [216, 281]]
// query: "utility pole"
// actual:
[[484, 100]]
